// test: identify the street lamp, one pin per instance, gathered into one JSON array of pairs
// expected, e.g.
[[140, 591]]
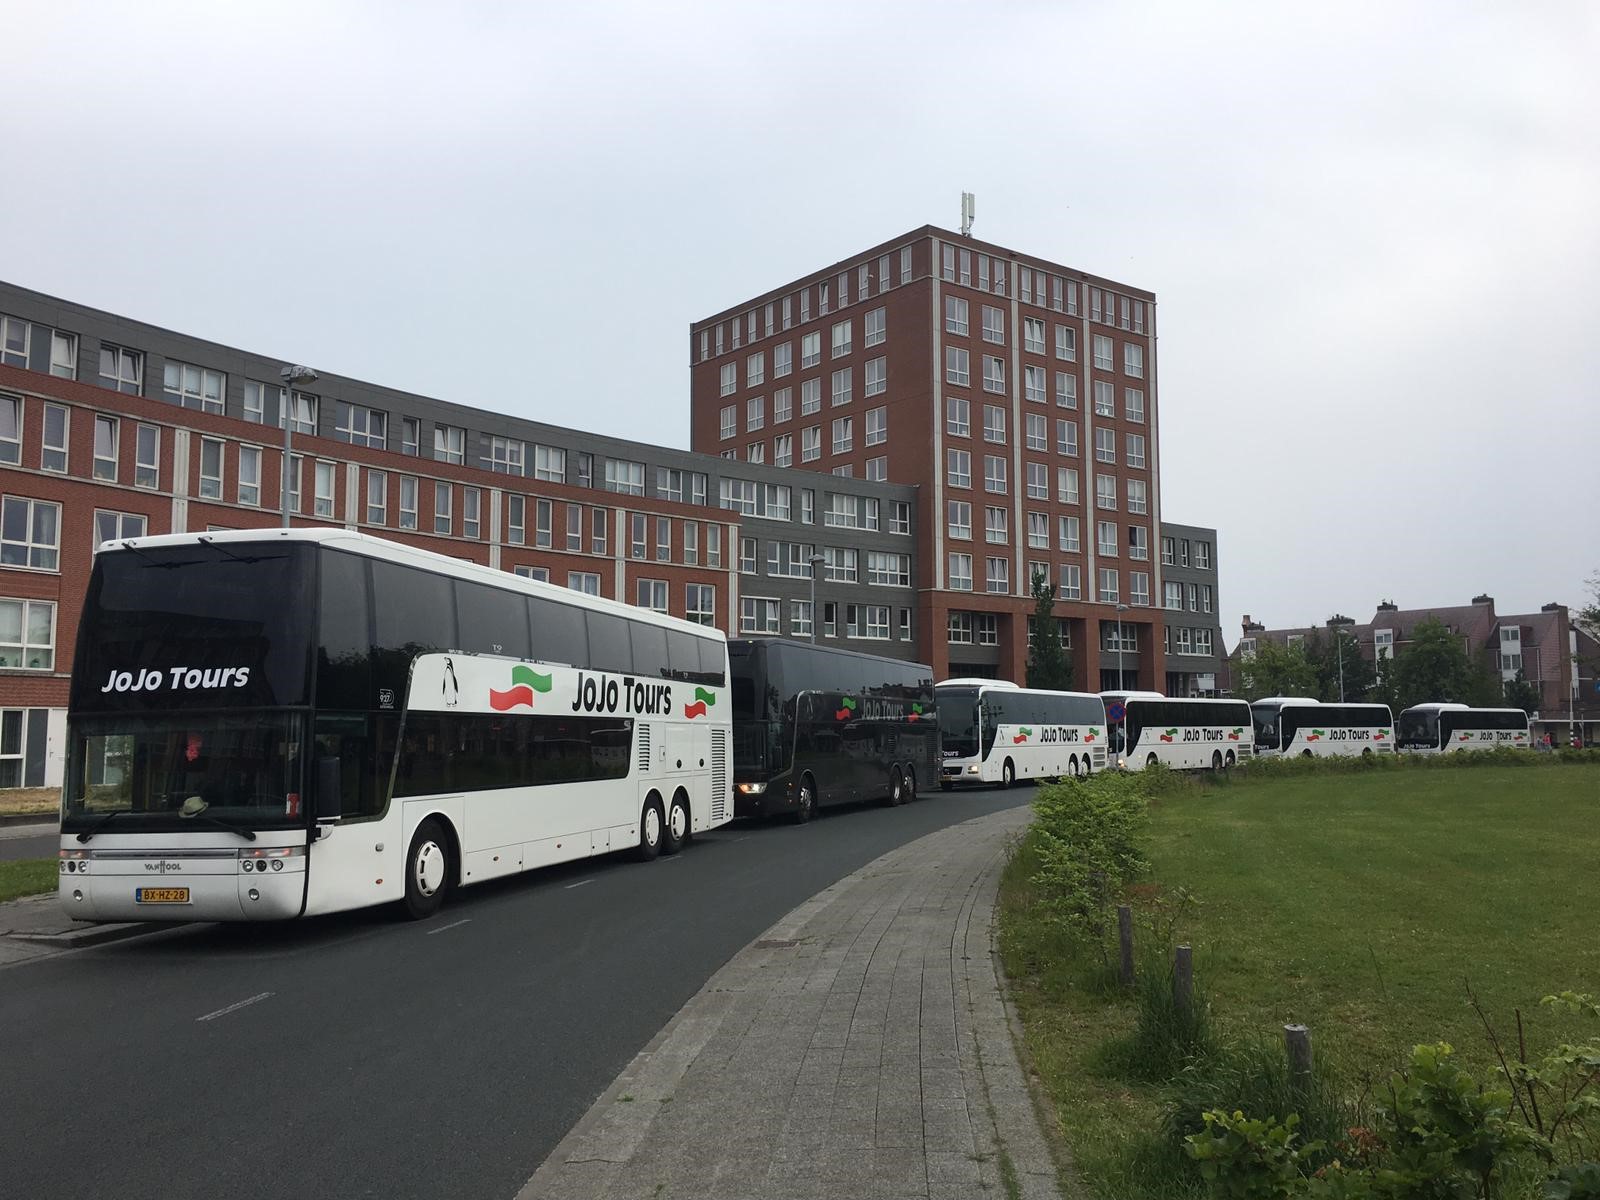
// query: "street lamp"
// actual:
[[1121, 608], [815, 561], [290, 376], [1338, 645]]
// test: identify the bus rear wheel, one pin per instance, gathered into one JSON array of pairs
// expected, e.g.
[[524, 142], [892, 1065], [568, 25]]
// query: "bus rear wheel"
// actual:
[[897, 787], [427, 870], [806, 806], [1230, 760], [1216, 760], [1073, 768], [911, 784], [651, 826], [676, 834]]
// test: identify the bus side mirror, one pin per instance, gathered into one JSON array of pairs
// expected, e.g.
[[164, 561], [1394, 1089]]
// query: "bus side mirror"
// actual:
[[330, 789]]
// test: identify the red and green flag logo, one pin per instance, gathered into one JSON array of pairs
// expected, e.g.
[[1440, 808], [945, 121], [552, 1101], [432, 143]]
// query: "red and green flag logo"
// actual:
[[1021, 736], [1234, 736], [847, 709], [525, 681], [1465, 737], [1169, 735], [1380, 735], [702, 699], [916, 713], [1316, 735], [1092, 734]]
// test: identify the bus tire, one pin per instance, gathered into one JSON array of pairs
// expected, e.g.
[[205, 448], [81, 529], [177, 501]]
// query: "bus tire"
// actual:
[[1073, 768], [651, 829], [1085, 765], [807, 806], [1305, 754], [677, 832], [911, 784], [1366, 750], [428, 870], [1229, 760], [1216, 760], [1151, 760], [897, 787], [1008, 775]]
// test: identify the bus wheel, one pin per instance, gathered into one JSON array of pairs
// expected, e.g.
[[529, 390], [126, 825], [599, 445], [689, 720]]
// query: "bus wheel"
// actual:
[[1073, 768], [897, 787], [676, 835], [807, 807], [650, 830], [1151, 761], [1230, 760], [1008, 775], [1216, 760], [1305, 754], [1366, 750], [911, 783], [427, 870]]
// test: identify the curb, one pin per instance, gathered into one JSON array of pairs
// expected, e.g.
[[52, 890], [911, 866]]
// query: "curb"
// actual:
[[94, 935], [52, 819]]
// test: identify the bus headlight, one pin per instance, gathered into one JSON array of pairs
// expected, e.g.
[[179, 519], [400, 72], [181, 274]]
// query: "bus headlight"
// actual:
[[973, 769], [751, 789], [255, 858]]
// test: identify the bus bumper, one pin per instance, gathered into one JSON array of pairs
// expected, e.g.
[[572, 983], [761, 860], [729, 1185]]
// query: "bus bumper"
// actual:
[[138, 889], [771, 800]]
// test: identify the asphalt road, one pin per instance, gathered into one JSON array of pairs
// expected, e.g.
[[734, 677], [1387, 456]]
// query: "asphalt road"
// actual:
[[29, 841], [363, 1055]]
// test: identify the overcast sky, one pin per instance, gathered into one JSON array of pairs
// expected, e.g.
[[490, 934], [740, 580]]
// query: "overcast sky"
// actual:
[[1373, 230]]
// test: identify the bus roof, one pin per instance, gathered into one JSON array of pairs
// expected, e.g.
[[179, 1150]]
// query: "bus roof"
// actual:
[[1284, 700], [415, 556], [976, 681], [1441, 706]]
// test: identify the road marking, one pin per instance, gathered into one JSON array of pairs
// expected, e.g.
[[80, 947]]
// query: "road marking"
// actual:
[[222, 1012], [580, 883], [452, 925]]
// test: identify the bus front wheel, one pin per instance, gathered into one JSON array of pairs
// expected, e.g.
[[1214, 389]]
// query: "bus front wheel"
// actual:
[[1216, 760], [1008, 775], [427, 870], [650, 830], [806, 801], [676, 835], [1151, 761]]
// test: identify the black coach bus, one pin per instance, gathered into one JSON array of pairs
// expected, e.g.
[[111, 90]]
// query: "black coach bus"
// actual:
[[815, 725]]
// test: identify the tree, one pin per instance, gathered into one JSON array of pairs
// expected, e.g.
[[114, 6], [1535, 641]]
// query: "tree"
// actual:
[[1049, 664], [1520, 693], [1385, 686], [1274, 670], [1329, 655], [1435, 666], [1588, 618]]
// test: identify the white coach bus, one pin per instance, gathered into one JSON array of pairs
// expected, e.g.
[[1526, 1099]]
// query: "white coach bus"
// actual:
[[1298, 726], [1186, 735], [1443, 728], [995, 732], [273, 723]]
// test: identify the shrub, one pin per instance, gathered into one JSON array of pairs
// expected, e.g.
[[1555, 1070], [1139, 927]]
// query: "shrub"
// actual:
[[1087, 837]]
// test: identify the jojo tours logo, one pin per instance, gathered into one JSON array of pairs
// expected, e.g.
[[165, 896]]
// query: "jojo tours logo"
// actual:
[[702, 700], [525, 681]]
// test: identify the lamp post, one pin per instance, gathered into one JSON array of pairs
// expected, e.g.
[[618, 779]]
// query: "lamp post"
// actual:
[[1121, 644], [1338, 645], [815, 561], [291, 376]]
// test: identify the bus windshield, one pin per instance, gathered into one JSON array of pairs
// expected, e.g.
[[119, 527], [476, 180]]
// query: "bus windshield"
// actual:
[[238, 767], [1417, 729], [1265, 719], [958, 722]]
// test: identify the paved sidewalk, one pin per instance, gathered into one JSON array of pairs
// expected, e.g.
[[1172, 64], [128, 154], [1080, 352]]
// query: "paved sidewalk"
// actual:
[[861, 1047], [36, 926]]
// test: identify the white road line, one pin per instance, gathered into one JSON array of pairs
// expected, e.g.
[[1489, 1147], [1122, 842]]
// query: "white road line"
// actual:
[[452, 925], [580, 883], [222, 1012]]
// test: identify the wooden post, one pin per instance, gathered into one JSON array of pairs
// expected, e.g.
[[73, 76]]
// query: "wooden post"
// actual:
[[1297, 1042], [1125, 936], [1183, 980]]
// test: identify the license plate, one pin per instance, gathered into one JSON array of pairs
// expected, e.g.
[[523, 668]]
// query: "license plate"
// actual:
[[161, 895]]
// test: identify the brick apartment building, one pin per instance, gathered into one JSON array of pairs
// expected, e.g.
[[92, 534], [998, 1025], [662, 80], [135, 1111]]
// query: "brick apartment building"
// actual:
[[1018, 395], [1547, 648], [111, 428]]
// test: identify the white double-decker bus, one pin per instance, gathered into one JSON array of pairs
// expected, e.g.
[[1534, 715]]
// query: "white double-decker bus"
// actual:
[[1186, 735], [1298, 726], [995, 732], [1444, 728], [272, 723]]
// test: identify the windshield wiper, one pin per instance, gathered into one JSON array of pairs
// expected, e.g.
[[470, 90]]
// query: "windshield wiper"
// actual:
[[247, 834], [96, 827]]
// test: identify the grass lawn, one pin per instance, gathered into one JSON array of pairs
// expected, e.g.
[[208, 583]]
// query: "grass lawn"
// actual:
[[16, 801], [1355, 904], [28, 877]]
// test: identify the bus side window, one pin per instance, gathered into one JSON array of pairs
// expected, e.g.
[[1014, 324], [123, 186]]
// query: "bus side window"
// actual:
[[356, 741]]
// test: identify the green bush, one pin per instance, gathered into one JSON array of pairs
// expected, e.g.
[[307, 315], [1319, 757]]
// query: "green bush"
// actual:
[[1284, 768]]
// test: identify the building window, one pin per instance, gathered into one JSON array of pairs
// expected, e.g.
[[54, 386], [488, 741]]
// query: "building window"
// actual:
[[408, 502], [1138, 496], [250, 475], [194, 387], [1033, 335], [624, 477], [994, 423], [471, 512], [1066, 343], [1066, 390], [27, 638], [378, 498], [1133, 360], [730, 378], [960, 523], [782, 359], [997, 575], [211, 455], [800, 618], [877, 426], [957, 366], [449, 444], [730, 421], [1103, 360], [755, 413], [995, 526], [53, 446], [302, 413], [960, 572], [147, 456], [810, 349], [1067, 438], [1105, 399], [1037, 435], [1106, 538], [507, 456], [841, 338], [1133, 404], [1033, 384], [322, 480], [877, 376], [651, 594], [1172, 596], [115, 526], [30, 533], [783, 450], [1038, 531], [811, 444], [540, 574], [955, 315], [1205, 597], [958, 416], [1105, 492], [888, 570], [106, 430], [876, 329], [960, 468], [994, 325], [994, 374], [994, 474], [905, 264], [1068, 535], [1071, 581], [755, 369], [64, 355], [638, 528], [121, 370], [1202, 555], [1038, 481], [1183, 552], [1166, 552], [1110, 586], [700, 603], [1105, 445], [516, 520], [361, 426], [549, 463], [410, 436], [663, 539], [958, 628], [843, 435], [1136, 450], [1138, 542], [841, 386], [1067, 485], [598, 531], [758, 614]]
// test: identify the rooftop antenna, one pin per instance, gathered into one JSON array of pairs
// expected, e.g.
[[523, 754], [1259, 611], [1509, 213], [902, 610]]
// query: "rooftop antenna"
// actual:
[[967, 199]]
